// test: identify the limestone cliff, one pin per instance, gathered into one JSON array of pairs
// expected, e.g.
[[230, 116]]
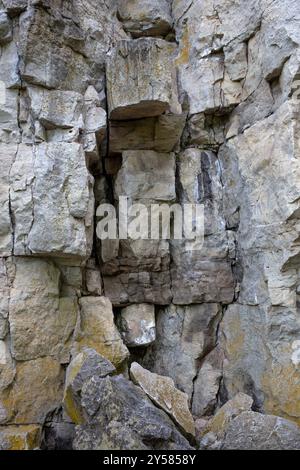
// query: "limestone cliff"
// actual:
[[149, 344]]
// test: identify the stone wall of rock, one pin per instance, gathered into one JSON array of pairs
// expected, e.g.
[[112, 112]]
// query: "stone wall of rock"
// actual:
[[149, 344]]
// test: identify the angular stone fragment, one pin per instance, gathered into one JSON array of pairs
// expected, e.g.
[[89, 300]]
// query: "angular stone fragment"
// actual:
[[52, 201], [162, 391], [97, 330], [25, 437], [141, 80], [146, 17], [137, 325], [254, 431], [119, 416], [41, 323], [83, 367]]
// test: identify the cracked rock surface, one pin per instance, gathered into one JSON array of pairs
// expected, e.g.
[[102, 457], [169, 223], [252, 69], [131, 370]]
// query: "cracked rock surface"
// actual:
[[170, 102]]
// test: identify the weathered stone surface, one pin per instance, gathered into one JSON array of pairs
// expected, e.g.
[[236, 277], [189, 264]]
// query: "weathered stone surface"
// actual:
[[7, 155], [160, 134], [138, 287], [146, 17], [25, 437], [131, 68], [137, 325], [146, 176], [52, 201], [216, 428], [269, 260], [96, 329], [41, 323], [162, 391], [83, 367], [37, 389], [207, 384], [202, 272], [253, 431], [121, 417], [184, 335], [5, 28]]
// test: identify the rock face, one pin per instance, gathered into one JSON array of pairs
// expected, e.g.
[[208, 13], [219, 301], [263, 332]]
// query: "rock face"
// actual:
[[156, 102]]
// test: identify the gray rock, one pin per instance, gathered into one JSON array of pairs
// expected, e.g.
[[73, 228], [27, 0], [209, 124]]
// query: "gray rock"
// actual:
[[146, 17], [137, 62], [120, 417], [253, 431], [137, 325], [5, 28]]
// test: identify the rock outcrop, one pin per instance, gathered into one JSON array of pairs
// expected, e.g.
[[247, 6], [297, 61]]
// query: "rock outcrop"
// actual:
[[156, 102]]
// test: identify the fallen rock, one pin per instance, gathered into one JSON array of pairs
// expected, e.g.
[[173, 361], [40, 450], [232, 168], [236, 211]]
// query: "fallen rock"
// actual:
[[119, 416], [254, 431], [85, 365], [133, 93], [162, 391], [137, 325]]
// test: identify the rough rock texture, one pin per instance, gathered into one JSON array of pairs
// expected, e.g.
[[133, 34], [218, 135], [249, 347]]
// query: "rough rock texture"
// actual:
[[236, 427], [162, 392], [137, 325], [169, 101]]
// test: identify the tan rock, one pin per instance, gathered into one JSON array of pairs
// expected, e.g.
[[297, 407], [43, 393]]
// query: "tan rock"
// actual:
[[164, 394], [36, 390], [219, 423], [96, 329], [41, 323], [25, 437]]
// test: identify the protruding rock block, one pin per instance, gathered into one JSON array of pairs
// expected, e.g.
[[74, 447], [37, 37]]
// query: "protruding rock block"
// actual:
[[162, 391], [145, 17], [141, 79], [137, 325], [161, 134], [52, 201], [97, 330]]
